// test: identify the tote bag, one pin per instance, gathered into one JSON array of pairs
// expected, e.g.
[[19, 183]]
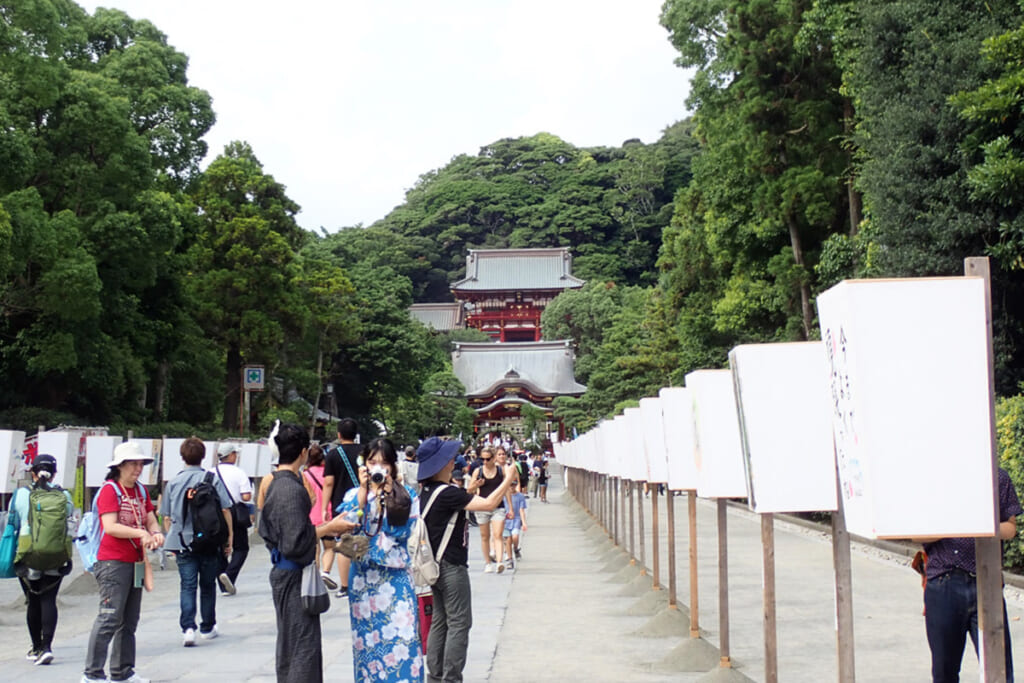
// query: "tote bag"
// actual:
[[8, 545], [315, 600]]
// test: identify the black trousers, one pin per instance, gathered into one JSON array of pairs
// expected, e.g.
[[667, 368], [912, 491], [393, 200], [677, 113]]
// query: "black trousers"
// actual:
[[239, 551], [42, 609]]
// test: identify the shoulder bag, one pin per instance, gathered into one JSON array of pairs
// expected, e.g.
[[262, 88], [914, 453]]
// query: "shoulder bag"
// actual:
[[239, 509]]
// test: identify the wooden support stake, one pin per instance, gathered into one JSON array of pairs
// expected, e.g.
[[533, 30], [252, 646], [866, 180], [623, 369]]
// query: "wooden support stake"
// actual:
[[988, 551], [630, 489], [655, 541], [614, 509], [640, 528], [771, 647], [622, 512], [606, 492], [844, 591], [723, 585], [691, 509], [672, 596]]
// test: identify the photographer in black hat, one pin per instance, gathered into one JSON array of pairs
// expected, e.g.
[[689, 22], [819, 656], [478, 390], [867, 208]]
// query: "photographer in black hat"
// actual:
[[448, 640]]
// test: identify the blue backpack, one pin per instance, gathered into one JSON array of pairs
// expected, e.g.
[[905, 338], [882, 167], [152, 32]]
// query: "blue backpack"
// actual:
[[90, 529]]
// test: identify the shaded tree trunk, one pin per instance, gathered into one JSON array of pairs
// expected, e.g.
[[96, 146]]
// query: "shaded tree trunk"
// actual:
[[805, 288], [160, 381], [853, 196], [320, 383], [233, 387]]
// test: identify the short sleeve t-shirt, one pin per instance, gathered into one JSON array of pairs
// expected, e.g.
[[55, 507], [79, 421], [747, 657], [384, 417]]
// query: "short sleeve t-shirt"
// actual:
[[132, 509], [235, 480], [518, 503], [334, 467], [450, 500]]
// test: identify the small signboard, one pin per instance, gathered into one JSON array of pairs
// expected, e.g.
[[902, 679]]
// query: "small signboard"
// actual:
[[253, 378], [12, 443]]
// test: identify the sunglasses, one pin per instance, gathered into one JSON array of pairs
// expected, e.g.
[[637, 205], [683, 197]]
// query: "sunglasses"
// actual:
[[487, 459]]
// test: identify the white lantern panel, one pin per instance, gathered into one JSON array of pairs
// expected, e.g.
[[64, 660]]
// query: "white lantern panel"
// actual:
[[717, 453], [677, 409], [786, 426], [654, 439], [907, 361]]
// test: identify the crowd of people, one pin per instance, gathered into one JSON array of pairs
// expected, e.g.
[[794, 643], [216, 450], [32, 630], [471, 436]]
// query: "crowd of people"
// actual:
[[379, 498], [313, 509]]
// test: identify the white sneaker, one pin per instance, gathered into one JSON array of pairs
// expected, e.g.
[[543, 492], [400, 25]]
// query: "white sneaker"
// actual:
[[210, 635], [226, 585], [44, 658], [488, 568], [87, 679], [136, 678], [501, 567], [188, 638]]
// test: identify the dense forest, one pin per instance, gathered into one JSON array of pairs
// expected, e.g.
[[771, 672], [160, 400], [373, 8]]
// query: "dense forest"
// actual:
[[822, 139]]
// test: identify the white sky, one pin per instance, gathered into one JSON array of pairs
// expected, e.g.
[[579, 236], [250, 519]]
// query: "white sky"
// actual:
[[348, 103]]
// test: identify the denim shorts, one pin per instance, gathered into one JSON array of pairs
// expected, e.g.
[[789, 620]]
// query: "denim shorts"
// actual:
[[484, 518]]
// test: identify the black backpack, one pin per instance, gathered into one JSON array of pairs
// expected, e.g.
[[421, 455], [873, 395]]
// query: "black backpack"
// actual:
[[209, 528]]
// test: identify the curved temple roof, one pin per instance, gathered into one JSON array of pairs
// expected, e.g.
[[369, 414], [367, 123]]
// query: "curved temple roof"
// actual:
[[442, 317], [545, 367], [517, 270]]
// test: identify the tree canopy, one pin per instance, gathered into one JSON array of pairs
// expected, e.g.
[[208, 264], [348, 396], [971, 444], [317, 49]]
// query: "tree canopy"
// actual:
[[822, 139]]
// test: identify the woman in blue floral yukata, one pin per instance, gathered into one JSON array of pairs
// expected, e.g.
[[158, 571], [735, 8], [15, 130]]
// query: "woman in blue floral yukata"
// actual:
[[382, 602]]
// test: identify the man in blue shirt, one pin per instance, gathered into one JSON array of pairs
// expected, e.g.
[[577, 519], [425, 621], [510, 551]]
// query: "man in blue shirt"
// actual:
[[195, 569], [951, 592]]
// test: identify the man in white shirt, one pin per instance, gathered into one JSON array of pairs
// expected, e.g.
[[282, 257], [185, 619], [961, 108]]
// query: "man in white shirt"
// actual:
[[410, 470], [236, 481]]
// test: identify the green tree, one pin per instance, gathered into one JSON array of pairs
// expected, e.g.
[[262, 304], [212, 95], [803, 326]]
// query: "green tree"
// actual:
[[767, 189], [246, 267], [912, 56], [609, 204], [101, 130], [616, 355], [389, 355], [585, 316], [439, 409]]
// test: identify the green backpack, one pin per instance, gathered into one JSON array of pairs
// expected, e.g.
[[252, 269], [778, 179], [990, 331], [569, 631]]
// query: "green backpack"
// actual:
[[48, 544]]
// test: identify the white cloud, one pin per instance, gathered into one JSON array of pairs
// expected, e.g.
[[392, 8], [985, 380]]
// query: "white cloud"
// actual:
[[348, 103]]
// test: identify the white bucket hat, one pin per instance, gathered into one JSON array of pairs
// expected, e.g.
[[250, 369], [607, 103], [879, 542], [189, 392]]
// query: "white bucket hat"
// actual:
[[129, 450]]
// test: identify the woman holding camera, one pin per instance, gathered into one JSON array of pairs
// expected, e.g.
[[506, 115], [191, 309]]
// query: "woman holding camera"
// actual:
[[382, 601]]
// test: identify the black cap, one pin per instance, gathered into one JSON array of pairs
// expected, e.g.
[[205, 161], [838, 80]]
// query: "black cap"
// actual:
[[45, 462]]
